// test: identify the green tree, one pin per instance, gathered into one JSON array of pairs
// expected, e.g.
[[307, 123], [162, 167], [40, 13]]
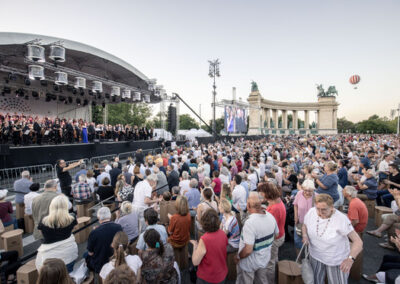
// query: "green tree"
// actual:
[[187, 122], [156, 121], [219, 125], [125, 113], [344, 125], [97, 114]]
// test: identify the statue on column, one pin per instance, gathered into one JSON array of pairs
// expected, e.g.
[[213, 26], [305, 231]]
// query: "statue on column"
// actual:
[[254, 87], [331, 92]]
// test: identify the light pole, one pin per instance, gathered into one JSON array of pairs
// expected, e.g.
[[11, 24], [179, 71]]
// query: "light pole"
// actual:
[[213, 73], [398, 118]]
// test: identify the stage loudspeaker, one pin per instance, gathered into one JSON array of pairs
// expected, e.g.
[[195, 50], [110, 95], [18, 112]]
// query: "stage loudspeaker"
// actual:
[[5, 150]]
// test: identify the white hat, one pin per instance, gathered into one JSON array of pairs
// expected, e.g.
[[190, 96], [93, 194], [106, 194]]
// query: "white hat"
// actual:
[[3, 193]]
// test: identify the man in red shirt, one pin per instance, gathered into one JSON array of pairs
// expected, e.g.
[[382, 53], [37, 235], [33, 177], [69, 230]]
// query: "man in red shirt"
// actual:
[[357, 212]]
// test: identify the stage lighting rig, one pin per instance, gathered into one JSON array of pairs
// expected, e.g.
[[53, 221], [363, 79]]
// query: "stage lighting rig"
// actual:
[[85, 102], [7, 90], [12, 77], [57, 52], [70, 100], [81, 92], [35, 51], [103, 104], [36, 72], [27, 82], [35, 95], [78, 101]]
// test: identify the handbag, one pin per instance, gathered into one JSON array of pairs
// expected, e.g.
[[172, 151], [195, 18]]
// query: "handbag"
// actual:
[[307, 272]]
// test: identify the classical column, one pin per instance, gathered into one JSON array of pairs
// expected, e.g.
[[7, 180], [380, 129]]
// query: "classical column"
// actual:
[[268, 117], [318, 119], [306, 119], [334, 121], [284, 119], [275, 118], [294, 120]]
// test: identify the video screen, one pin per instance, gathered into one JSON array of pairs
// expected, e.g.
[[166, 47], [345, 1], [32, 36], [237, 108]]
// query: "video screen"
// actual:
[[235, 119]]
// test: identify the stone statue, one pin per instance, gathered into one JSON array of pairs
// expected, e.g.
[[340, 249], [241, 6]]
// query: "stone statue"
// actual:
[[331, 92], [254, 87]]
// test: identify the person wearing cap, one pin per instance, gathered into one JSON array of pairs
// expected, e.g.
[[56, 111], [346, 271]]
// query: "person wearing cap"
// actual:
[[6, 209]]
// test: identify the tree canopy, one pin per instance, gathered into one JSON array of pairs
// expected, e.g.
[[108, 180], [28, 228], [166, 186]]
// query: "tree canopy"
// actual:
[[374, 124], [187, 122]]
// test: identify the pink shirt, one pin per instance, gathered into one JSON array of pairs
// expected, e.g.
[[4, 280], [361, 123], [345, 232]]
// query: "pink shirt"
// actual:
[[303, 205]]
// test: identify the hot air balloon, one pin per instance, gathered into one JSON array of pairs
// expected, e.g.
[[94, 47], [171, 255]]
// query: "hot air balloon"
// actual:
[[354, 80]]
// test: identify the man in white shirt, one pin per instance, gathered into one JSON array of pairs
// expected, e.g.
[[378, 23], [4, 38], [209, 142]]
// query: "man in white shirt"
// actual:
[[106, 166], [258, 233], [142, 197], [253, 179], [238, 194]]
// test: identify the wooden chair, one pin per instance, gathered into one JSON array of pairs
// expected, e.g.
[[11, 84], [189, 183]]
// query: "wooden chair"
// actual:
[[379, 211]]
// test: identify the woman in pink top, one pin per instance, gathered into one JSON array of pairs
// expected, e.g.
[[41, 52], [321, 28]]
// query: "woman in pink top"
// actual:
[[272, 194], [210, 252], [216, 183], [302, 203]]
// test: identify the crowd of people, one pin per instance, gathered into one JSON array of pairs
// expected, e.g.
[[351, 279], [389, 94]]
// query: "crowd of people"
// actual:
[[20, 129], [239, 199]]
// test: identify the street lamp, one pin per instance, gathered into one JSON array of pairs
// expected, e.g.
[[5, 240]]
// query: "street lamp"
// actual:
[[398, 117], [213, 73]]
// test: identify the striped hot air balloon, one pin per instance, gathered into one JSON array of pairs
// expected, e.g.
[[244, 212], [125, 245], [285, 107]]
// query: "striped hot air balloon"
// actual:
[[354, 80]]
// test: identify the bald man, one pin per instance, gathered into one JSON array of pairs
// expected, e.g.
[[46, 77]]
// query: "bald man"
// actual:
[[258, 234]]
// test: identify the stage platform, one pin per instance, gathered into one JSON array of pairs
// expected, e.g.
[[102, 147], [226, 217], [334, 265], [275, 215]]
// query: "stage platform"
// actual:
[[49, 154]]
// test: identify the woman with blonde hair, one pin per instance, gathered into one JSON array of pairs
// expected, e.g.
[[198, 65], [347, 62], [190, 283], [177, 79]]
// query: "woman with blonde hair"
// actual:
[[179, 223], [56, 228], [229, 225], [129, 221], [120, 257], [226, 192]]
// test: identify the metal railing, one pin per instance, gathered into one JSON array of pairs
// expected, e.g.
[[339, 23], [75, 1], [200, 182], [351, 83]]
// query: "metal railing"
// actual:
[[98, 159], [39, 173]]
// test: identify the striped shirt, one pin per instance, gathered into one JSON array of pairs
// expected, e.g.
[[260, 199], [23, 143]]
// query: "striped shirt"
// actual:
[[259, 230]]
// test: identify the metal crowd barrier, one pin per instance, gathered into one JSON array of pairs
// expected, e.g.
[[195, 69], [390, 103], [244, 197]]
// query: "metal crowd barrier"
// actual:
[[98, 159], [39, 173], [126, 155]]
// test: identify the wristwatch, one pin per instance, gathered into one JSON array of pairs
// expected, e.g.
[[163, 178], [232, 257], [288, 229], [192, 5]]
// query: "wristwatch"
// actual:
[[352, 258]]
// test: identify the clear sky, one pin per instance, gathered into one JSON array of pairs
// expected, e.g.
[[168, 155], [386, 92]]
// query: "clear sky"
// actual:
[[285, 46]]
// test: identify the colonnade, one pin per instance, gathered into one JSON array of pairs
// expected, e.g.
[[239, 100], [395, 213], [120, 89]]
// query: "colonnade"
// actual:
[[264, 116]]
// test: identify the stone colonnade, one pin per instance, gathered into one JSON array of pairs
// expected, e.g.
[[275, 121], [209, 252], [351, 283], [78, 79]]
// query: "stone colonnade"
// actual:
[[264, 116]]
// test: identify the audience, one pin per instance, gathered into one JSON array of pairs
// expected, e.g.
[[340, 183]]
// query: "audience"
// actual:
[[128, 220], [179, 224], [158, 260], [53, 271], [210, 252], [99, 243], [56, 228], [120, 257], [230, 225], [6, 209]]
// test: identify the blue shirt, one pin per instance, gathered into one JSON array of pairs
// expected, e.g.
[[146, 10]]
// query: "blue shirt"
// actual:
[[245, 184], [22, 185], [141, 244], [331, 182], [193, 196], [81, 172], [342, 174], [367, 164], [372, 190]]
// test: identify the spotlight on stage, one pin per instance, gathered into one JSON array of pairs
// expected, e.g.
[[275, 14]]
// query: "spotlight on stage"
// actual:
[[97, 86], [43, 83], [126, 94], [78, 101], [56, 88], [146, 98], [35, 53], [61, 78], [98, 96], [113, 99], [74, 91], [85, 102], [61, 98], [115, 91], [94, 103], [36, 72], [20, 93], [107, 95], [103, 104], [136, 96], [35, 95], [81, 92], [57, 53], [70, 100], [90, 93], [27, 82], [53, 97], [7, 90], [80, 82]]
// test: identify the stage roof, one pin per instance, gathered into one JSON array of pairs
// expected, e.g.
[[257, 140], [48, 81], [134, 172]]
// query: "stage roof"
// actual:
[[81, 61]]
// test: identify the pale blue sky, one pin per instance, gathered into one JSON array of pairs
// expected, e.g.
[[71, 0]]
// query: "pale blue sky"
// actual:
[[285, 46]]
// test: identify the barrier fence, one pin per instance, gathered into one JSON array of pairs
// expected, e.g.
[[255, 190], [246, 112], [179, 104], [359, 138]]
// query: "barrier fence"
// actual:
[[39, 173]]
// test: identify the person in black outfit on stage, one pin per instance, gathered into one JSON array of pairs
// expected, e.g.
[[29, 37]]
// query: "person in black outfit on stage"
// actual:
[[91, 132], [70, 132], [38, 131], [57, 131]]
